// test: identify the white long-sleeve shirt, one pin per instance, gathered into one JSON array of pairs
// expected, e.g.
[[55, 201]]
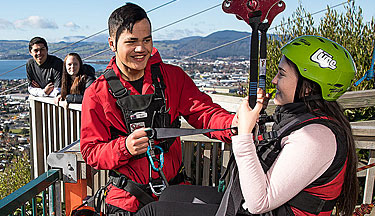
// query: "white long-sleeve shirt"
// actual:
[[306, 154], [39, 92]]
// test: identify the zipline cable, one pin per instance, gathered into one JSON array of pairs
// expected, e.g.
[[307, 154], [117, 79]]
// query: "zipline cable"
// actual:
[[90, 36], [103, 51], [248, 36], [172, 23], [165, 26], [15, 87], [205, 51]]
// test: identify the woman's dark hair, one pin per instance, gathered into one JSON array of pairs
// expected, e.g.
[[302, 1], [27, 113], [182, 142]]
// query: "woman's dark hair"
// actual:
[[37, 40], [72, 84], [349, 194], [124, 18]]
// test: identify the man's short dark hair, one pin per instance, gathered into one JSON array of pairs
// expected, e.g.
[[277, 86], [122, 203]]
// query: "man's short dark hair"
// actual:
[[124, 18], [37, 40]]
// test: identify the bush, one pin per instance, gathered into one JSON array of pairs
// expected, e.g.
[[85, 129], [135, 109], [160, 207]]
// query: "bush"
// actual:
[[15, 175]]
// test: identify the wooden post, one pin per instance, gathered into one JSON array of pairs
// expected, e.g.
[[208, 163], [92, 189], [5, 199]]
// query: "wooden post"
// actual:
[[206, 164], [198, 159], [214, 158], [36, 131]]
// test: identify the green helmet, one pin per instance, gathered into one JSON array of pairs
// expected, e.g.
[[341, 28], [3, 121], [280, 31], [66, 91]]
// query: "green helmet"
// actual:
[[323, 61]]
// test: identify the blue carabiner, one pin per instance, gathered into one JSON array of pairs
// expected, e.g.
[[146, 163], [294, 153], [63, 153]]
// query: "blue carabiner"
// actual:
[[161, 159]]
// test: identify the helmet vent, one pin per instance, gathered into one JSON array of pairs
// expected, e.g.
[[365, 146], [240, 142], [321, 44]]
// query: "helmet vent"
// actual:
[[335, 46], [297, 44], [305, 42], [321, 40]]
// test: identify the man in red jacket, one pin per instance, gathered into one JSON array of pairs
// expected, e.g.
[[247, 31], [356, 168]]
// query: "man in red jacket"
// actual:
[[139, 91]]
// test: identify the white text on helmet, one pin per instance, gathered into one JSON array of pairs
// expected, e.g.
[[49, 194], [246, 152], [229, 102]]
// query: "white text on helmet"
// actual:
[[324, 59]]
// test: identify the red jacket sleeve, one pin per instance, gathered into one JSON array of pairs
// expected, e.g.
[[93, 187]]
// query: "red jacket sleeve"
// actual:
[[96, 147], [198, 108]]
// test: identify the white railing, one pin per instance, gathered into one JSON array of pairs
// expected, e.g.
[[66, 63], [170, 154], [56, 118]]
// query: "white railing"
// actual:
[[53, 128]]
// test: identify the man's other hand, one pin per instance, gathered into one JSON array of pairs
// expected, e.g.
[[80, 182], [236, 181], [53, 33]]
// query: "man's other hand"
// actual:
[[49, 88]]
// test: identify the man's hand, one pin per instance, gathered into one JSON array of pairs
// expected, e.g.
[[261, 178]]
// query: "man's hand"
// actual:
[[235, 124], [137, 142], [49, 88], [35, 84]]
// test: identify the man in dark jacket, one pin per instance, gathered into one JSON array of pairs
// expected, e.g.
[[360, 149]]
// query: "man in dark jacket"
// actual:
[[43, 70]]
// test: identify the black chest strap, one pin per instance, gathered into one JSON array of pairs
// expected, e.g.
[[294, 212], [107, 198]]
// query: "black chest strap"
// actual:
[[119, 91], [162, 119], [115, 86]]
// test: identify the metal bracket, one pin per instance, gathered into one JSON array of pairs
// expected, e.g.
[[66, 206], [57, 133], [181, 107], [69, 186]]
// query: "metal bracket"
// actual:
[[67, 162], [246, 9]]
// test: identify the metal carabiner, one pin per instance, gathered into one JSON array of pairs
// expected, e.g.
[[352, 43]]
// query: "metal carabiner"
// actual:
[[156, 189], [152, 158]]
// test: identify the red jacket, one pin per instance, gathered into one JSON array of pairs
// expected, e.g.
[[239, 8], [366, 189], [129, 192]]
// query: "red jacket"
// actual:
[[100, 112]]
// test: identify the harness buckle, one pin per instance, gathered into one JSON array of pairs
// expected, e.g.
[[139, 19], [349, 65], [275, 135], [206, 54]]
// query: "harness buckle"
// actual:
[[119, 182], [121, 93], [268, 136]]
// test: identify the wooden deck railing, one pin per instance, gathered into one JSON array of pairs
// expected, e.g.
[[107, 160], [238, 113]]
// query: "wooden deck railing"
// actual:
[[53, 128]]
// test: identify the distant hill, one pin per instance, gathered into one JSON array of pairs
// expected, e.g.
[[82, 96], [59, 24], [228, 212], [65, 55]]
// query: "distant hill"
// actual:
[[192, 45], [18, 49]]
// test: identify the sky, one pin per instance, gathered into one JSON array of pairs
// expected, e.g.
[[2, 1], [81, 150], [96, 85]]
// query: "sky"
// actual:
[[54, 20]]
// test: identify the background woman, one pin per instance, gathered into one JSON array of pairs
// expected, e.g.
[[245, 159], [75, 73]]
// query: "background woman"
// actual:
[[76, 78], [310, 166]]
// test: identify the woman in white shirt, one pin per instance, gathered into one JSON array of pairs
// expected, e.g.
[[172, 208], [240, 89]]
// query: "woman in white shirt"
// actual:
[[309, 167]]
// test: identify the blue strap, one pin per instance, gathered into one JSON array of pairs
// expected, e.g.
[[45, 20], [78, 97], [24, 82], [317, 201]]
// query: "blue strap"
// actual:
[[369, 75]]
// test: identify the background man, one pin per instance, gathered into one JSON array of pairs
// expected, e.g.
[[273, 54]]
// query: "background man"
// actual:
[[43, 70]]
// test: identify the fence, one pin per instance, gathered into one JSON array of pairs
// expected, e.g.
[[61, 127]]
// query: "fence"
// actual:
[[53, 128]]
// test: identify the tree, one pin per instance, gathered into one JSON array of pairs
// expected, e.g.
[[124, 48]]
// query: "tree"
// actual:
[[24, 131], [6, 128], [347, 29], [15, 175]]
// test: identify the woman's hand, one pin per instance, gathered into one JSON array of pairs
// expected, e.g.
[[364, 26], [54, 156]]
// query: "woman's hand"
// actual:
[[64, 104], [248, 117], [57, 99]]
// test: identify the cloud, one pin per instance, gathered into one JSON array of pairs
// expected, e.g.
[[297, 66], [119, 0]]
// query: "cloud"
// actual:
[[35, 22], [178, 34], [72, 26], [5, 24]]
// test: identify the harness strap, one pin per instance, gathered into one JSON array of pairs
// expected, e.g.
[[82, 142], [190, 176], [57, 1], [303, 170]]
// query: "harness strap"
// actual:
[[307, 202], [122, 182], [115, 86], [274, 135], [140, 190], [157, 77], [119, 91], [221, 186]]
